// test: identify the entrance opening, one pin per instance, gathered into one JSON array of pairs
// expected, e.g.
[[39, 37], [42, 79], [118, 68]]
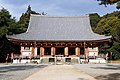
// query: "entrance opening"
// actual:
[[47, 51], [38, 51], [59, 51], [67, 59], [82, 56], [51, 59], [71, 51], [82, 51]]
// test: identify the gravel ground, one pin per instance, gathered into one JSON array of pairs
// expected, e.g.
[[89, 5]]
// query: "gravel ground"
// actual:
[[22, 71], [18, 71], [101, 71], [60, 72]]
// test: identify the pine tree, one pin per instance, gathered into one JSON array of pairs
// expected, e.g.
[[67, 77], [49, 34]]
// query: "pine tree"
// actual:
[[7, 24], [24, 20], [110, 2]]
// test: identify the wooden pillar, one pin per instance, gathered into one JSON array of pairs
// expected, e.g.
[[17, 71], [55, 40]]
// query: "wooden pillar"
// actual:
[[52, 51], [42, 51], [39, 52], [80, 51], [66, 51], [77, 51], [86, 52], [21, 50], [33, 49]]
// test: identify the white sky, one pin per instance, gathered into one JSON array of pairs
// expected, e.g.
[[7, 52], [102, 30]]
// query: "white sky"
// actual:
[[56, 7]]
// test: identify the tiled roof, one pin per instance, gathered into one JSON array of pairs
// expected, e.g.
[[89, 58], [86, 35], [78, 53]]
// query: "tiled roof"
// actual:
[[53, 28]]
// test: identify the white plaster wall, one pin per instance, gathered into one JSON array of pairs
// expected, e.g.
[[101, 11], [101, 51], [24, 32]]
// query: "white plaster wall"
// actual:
[[93, 53], [94, 49], [25, 61], [22, 49], [16, 61], [26, 53], [35, 51]]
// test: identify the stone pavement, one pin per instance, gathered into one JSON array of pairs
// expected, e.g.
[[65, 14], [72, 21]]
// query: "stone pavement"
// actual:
[[60, 72]]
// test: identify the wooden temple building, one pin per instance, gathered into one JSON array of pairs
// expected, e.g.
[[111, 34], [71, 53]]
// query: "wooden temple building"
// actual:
[[62, 39]]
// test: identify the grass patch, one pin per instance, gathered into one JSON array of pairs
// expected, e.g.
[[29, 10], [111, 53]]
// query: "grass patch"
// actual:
[[115, 61]]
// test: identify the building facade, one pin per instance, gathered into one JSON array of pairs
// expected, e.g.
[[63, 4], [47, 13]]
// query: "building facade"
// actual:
[[62, 39]]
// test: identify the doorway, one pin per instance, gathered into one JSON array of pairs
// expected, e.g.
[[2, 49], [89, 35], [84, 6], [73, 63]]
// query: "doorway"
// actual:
[[82, 51], [47, 51], [71, 51], [38, 51], [59, 51]]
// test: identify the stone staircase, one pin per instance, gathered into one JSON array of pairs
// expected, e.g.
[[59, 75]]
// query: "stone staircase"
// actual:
[[45, 60], [63, 60], [74, 61]]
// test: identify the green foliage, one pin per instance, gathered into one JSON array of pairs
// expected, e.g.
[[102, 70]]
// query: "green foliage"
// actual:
[[94, 19], [110, 25], [115, 49], [24, 20], [110, 2], [9, 26], [118, 5], [7, 47], [113, 14], [107, 25], [5, 21], [106, 2]]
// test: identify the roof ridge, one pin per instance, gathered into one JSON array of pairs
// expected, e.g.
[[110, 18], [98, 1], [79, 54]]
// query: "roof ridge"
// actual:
[[48, 16]]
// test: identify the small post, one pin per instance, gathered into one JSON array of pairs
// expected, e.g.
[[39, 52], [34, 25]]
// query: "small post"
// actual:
[[7, 58], [55, 60], [11, 58], [94, 57], [84, 51]]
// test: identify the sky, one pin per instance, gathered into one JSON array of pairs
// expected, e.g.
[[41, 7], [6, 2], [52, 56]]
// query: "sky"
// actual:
[[56, 7]]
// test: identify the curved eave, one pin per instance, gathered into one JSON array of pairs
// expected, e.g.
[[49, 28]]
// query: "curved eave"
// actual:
[[19, 40]]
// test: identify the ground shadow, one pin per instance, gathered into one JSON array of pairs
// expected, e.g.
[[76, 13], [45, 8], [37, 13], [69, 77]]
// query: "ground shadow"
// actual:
[[1, 75], [19, 68], [81, 79], [108, 67], [113, 76]]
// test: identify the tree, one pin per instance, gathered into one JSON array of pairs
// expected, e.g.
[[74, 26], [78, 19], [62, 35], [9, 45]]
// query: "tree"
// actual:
[[6, 22], [94, 19], [24, 20], [118, 5], [110, 2], [110, 25], [106, 25], [113, 14], [7, 47], [116, 41], [7, 27]]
